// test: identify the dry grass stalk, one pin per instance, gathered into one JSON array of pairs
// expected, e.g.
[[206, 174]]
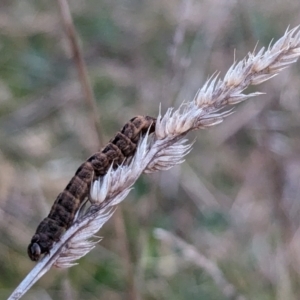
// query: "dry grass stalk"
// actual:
[[192, 255], [166, 148], [81, 68]]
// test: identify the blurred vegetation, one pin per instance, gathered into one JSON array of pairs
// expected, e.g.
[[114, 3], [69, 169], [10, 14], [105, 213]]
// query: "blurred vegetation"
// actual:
[[236, 198]]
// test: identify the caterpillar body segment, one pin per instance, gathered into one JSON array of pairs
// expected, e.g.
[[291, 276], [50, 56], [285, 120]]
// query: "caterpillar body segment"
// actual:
[[67, 203]]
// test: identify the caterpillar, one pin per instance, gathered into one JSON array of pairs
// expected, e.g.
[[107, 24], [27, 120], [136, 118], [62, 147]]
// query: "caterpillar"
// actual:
[[67, 203]]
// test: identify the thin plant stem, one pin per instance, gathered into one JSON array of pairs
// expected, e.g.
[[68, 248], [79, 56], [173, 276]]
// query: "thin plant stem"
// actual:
[[192, 255], [81, 68], [175, 67], [122, 237]]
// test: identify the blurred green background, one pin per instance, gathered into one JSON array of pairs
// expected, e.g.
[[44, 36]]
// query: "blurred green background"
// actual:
[[235, 199]]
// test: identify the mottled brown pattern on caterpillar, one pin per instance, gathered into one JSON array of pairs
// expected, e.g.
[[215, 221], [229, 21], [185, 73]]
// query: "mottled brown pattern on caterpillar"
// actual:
[[62, 213]]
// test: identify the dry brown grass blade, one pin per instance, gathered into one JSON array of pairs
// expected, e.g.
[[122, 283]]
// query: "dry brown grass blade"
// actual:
[[192, 255], [81, 67]]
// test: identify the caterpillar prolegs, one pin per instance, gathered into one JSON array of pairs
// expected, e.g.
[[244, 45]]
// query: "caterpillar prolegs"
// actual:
[[67, 203]]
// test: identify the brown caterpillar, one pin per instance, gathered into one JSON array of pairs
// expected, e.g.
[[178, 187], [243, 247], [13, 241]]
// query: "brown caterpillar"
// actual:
[[63, 211]]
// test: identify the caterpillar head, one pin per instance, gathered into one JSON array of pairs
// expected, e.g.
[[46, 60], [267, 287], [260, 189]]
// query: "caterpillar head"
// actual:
[[39, 245]]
